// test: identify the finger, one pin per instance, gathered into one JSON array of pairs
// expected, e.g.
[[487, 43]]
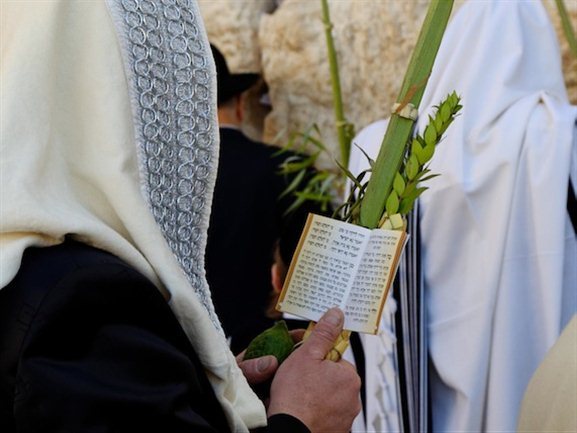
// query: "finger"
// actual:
[[258, 370], [324, 334], [240, 356], [347, 364], [297, 335]]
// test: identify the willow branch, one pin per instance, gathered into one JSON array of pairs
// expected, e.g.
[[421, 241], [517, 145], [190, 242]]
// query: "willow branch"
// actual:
[[340, 121]]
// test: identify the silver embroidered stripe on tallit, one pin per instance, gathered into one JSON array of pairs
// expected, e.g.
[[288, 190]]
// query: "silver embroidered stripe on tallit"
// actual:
[[169, 72]]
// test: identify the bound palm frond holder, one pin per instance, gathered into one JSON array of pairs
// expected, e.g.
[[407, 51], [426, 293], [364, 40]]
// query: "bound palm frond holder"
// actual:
[[400, 167], [406, 187]]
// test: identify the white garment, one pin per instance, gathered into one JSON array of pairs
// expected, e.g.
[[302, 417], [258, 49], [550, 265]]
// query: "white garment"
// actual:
[[383, 411], [499, 252], [78, 142]]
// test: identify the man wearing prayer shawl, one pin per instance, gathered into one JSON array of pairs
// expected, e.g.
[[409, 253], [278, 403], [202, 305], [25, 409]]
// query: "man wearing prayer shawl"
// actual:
[[107, 165]]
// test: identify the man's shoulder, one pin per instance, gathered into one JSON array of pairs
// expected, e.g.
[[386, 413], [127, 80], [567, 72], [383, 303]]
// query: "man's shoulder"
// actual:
[[240, 141], [50, 264], [72, 272]]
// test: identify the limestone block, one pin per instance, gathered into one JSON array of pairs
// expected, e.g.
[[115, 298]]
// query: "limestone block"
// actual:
[[232, 25], [374, 41]]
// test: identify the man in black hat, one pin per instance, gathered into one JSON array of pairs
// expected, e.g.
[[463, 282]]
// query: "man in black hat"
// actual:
[[246, 217]]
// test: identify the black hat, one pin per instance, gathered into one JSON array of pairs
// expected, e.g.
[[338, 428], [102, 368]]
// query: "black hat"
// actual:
[[229, 85]]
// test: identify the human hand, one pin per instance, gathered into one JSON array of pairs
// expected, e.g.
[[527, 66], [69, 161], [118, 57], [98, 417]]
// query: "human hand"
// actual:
[[323, 394], [259, 370]]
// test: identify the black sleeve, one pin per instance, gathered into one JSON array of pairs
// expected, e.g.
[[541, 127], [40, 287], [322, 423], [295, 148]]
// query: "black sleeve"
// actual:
[[104, 353], [283, 423], [97, 349]]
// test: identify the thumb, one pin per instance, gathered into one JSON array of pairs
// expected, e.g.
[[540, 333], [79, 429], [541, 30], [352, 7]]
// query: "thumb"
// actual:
[[324, 334], [258, 370]]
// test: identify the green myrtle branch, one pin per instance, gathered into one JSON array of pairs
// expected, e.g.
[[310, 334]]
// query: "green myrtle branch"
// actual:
[[414, 171]]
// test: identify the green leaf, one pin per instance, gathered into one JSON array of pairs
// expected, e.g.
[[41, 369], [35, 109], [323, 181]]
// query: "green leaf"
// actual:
[[445, 111], [369, 159], [406, 205], [399, 184], [430, 135], [350, 175], [428, 152], [295, 183], [432, 176], [411, 186], [362, 175], [407, 202], [304, 163], [337, 212], [307, 138], [417, 149], [417, 192], [412, 168], [392, 203]]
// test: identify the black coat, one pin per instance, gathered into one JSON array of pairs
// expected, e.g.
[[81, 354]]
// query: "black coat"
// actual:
[[88, 344], [246, 220]]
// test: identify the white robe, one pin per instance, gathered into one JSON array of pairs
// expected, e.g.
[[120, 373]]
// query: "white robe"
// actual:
[[499, 253]]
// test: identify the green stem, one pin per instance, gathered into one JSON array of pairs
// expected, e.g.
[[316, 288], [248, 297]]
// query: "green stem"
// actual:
[[567, 28], [341, 123], [400, 129]]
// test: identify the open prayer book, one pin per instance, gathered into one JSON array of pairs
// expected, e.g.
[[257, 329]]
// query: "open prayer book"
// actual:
[[344, 265]]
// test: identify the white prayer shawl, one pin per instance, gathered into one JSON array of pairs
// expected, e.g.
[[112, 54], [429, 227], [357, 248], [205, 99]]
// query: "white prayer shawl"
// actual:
[[109, 134], [383, 409], [499, 252]]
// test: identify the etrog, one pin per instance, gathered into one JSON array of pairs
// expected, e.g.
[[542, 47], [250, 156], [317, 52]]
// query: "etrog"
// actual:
[[273, 341]]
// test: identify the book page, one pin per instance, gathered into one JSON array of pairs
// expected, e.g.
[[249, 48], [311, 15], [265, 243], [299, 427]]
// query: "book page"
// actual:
[[323, 268], [373, 280]]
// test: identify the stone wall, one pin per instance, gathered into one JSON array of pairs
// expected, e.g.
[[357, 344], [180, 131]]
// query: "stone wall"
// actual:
[[373, 39], [286, 43]]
